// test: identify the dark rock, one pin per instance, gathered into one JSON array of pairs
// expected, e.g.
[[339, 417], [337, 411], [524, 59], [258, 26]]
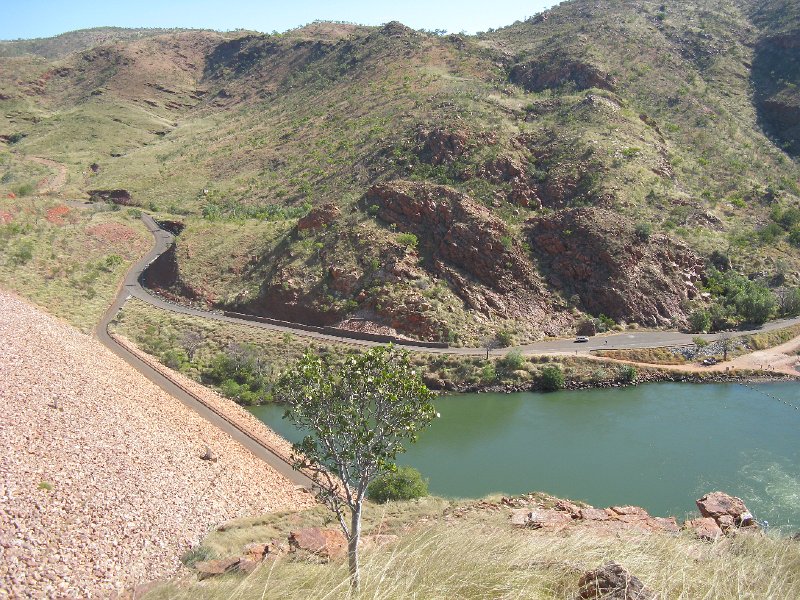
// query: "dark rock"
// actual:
[[208, 455], [122, 197], [442, 147], [554, 71], [612, 582], [469, 246]]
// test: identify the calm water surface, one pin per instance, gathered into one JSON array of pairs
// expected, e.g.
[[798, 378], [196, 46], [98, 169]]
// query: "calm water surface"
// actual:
[[659, 446]]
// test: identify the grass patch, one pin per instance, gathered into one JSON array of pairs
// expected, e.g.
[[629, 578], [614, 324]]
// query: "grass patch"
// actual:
[[480, 556], [653, 356], [770, 339], [68, 261]]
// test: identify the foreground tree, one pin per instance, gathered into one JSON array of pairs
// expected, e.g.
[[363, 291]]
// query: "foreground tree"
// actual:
[[358, 419]]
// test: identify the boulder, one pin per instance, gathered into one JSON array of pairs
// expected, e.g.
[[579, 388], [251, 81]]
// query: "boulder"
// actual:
[[543, 518], [519, 517], [728, 511], [318, 217], [705, 528], [213, 568], [327, 543], [612, 582], [247, 565]]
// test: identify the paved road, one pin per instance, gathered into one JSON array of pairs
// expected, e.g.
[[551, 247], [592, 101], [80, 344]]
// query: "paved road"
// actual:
[[163, 241], [132, 288], [628, 339]]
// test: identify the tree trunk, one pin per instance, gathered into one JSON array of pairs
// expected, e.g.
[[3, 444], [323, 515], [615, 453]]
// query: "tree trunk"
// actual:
[[352, 546]]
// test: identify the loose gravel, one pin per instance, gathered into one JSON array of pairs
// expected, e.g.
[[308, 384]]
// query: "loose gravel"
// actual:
[[101, 482]]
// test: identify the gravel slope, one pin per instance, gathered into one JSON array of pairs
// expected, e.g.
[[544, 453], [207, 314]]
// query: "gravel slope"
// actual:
[[128, 490]]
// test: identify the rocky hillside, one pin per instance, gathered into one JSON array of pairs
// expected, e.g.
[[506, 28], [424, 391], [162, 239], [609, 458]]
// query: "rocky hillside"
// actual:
[[589, 161]]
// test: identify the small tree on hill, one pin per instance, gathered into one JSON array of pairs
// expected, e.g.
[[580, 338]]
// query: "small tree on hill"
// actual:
[[358, 419]]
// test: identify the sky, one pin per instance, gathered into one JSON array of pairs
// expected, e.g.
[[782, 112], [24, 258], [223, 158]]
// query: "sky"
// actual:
[[45, 18]]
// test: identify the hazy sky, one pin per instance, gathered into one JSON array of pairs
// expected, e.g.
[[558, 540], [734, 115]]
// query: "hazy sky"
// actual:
[[44, 18]]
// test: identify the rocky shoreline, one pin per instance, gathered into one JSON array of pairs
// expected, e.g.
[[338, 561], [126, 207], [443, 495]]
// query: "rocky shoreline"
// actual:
[[715, 377]]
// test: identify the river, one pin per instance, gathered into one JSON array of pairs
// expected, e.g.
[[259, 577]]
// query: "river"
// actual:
[[659, 446]]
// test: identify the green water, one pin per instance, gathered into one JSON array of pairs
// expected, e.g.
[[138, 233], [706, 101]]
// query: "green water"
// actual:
[[659, 446]]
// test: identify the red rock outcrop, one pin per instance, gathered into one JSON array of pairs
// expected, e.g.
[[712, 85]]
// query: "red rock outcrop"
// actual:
[[319, 216], [592, 253], [728, 511], [553, 72], [442, 147], [327, 543], [468, 246]]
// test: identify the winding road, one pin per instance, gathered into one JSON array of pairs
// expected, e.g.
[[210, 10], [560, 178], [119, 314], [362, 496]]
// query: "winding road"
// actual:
[[131, 288]]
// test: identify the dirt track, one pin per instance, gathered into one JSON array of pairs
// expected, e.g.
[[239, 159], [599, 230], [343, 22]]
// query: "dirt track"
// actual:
[[101, 480], [54, 183]]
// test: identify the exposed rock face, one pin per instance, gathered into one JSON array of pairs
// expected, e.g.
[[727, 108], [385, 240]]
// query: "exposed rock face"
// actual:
[[326, 543], [553, 72], [589, 252], [610, 520], [775, 75], [319, 216], [467, 245], [122, 197], [510, 170], [442, 147], [612, 582]]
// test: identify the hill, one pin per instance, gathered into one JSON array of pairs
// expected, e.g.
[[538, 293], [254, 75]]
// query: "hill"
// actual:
[[597, 159]]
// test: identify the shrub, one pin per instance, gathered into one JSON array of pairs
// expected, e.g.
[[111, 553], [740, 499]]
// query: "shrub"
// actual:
[[406, 483], [409, 240], [644, 231], [26, 189], [505, 338], [628, 373], [794, 237], [552, 378], [513, 361], [700, 342], [175, 358], [770, 233], [700, 321], [488, 373]]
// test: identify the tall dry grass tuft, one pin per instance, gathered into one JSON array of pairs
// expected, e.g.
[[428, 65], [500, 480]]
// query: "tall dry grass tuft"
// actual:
[[468, 560]]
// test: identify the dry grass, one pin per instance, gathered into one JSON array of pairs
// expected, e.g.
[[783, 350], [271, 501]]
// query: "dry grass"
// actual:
[[67, 260], [654, 356], [480, 558], [770, 339]]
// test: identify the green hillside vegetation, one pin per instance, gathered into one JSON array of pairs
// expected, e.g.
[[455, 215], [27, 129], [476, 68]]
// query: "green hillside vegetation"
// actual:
[[69, 261], [601, 154]]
